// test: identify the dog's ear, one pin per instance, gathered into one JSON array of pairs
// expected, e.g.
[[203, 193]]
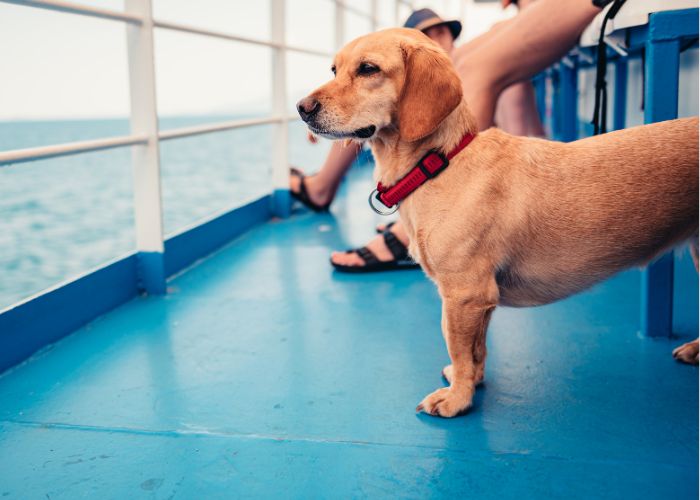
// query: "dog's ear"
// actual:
[[431, 91]]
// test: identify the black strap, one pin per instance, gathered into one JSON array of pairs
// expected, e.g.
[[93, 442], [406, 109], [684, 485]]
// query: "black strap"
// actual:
[[366, 255], [397, 249], [600, 112]]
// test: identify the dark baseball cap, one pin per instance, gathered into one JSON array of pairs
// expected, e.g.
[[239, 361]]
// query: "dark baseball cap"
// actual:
[[422, 19]]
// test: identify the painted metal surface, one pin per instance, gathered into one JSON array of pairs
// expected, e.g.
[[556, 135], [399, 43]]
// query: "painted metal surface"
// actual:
[[79, 8], [71, 148], [176, 133], [539, 83], [41, 320], [263, 374], [632, 14], [145, 158], [620, 95], [280, 133], [662, 46], [49, 316], [204, 237], [568, 80]]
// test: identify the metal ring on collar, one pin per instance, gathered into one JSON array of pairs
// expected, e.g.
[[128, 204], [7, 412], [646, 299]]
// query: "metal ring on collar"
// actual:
[[374, 199]]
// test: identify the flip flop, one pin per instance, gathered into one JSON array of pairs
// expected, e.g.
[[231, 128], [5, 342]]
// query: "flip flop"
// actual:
[[303, 196], [372, 264]]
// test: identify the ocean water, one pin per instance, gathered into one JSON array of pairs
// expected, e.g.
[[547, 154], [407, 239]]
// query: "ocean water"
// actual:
[[64, 216]]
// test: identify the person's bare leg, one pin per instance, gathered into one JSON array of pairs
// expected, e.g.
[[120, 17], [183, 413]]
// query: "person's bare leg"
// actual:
[[516, 51], [322, 185], [516, 111], [519, 50]]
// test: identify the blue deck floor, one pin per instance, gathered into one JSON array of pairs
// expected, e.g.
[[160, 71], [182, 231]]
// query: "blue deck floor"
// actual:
[[262, 374]]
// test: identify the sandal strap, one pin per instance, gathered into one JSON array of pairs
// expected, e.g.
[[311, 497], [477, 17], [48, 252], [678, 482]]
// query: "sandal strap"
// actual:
[[366, 254], [303, 194], [397, 249]]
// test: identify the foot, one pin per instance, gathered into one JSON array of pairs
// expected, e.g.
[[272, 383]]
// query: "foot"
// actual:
[[687, 353], [318, 193], [446, 402], [376, 245]]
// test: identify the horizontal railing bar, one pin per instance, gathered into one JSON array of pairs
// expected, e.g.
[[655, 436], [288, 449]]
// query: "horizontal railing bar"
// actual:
[[236, 38], [165, 135], [75, 8], [69, 148], [304, 50]]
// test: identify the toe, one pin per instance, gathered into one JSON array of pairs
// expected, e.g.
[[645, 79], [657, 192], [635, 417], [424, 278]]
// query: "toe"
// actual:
[[347, 259]]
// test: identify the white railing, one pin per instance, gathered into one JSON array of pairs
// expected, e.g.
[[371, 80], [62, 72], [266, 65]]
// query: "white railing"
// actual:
[[145, 136]]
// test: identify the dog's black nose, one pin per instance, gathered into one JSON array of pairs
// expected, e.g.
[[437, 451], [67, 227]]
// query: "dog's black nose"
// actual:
[[308, 107]]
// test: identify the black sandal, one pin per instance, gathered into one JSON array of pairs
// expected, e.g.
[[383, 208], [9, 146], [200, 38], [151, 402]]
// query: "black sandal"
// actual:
[[386, 228], [303, 196], [372, 264]]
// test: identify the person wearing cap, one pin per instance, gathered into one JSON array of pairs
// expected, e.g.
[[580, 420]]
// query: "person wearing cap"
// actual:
[[512, 51], [442, 32]]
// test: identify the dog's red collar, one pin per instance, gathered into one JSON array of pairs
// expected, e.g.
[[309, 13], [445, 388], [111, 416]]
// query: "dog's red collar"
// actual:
[[428, 167]]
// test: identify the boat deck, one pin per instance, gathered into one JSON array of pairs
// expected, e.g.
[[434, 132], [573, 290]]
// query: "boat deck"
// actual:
[[264, 374]]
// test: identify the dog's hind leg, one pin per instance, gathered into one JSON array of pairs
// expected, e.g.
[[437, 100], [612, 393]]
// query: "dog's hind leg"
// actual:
[[688, 353], [465, 317]]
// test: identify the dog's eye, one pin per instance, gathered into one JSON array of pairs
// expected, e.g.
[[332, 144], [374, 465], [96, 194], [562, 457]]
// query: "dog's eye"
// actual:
[[333, 69], [367, 69]]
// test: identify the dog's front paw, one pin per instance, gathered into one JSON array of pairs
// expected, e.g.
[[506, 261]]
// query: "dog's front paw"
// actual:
[[687, 353], [446, 402]]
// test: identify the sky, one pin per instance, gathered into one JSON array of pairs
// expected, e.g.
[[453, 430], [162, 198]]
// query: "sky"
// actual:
[[57, 65]]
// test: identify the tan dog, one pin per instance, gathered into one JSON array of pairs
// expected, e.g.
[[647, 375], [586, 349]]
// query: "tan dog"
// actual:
[[512, 220]]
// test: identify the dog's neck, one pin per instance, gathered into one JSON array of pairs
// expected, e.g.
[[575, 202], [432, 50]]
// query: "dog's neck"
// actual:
[[395, 157]]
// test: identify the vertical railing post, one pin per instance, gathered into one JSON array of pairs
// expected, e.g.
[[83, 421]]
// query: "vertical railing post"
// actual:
[[375, 15], [660, 103], [620, 99], [281, 201], [568, 81], [556, 121], [539, 82], [339, 24], [145, 159]]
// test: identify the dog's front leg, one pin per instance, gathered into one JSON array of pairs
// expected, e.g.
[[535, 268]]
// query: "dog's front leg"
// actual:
[[465, 317]]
